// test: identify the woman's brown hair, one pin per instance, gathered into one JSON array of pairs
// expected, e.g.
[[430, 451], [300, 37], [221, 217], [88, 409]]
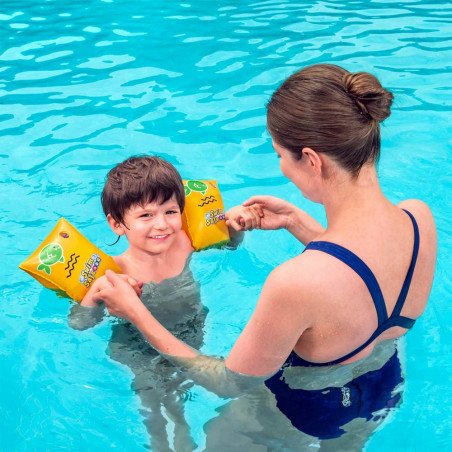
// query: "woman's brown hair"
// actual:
[[330, 110], [141, 180]]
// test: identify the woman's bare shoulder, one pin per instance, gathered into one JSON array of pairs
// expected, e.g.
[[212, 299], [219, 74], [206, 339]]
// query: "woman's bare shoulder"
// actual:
[[297, 265], [423, 215], [298, 278], [418, 208]]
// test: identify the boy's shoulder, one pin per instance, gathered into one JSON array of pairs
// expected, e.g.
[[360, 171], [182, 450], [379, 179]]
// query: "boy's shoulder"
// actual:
[[185, 242]]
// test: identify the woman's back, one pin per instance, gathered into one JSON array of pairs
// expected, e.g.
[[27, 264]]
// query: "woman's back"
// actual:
[[344, 315]]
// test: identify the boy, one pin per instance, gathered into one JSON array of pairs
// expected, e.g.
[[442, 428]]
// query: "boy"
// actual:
[[143, 199]]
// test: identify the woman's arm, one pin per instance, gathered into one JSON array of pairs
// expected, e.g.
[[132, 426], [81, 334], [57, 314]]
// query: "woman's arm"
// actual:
[[261, 349], [276, 213], [277, 323]]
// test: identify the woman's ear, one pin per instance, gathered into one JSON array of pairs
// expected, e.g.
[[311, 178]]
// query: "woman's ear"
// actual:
[[313, 159], [116, 226]]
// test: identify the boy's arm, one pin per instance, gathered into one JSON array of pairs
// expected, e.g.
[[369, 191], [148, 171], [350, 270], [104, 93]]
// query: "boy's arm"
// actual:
[[90, 297], [236, 238], [83, 317], [91, 310]]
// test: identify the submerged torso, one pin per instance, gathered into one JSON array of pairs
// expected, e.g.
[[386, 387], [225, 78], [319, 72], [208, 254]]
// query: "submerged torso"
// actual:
[[176, 304]]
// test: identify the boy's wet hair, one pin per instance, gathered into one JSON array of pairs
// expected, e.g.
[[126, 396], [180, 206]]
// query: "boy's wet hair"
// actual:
[[138, 181]]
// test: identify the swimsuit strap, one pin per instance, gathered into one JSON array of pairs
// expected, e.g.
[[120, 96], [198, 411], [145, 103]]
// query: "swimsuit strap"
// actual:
[[384, 323], [406, 284], [404, 322], [356, 264]]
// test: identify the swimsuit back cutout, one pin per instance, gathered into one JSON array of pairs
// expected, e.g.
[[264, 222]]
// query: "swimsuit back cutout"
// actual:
[[384, 322]]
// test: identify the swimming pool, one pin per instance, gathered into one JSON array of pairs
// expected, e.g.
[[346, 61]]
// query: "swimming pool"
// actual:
[[84, 85]]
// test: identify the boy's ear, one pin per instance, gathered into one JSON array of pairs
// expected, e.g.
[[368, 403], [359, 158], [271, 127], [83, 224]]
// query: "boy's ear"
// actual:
[[116, 226]]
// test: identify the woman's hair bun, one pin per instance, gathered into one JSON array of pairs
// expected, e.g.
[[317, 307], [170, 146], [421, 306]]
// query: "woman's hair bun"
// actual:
[[371, 98]]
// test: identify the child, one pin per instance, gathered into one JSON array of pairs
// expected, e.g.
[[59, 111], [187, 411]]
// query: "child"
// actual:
[[143, 199]]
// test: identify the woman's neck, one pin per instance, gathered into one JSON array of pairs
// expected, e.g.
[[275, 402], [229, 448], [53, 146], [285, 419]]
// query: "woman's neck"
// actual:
[[347, 200]]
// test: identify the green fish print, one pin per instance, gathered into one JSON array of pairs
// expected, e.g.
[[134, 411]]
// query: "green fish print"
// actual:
[[50, 255]]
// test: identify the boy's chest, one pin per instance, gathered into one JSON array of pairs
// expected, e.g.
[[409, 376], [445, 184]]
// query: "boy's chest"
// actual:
[[159, 272], [153, 272], [174, 300]]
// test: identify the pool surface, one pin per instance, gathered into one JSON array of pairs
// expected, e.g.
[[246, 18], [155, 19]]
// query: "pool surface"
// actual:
[[84, 85]]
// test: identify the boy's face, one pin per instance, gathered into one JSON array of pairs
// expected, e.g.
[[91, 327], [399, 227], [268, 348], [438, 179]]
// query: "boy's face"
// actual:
[[153, 227]]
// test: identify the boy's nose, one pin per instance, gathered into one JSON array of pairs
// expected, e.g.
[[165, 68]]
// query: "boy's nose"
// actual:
[[160, 222]]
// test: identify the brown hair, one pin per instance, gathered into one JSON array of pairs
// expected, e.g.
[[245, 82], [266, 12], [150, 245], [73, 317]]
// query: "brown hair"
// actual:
[[328, 109], [140, 180]]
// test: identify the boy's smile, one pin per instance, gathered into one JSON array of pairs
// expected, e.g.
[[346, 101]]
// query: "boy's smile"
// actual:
[[152, 227]]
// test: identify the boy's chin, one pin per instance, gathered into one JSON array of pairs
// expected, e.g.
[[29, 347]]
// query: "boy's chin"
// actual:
[[160, 245]]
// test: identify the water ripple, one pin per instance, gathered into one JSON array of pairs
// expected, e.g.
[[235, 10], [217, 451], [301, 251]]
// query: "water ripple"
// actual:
[[84, 85]]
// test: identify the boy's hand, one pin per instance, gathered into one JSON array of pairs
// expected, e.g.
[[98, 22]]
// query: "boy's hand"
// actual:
[[276, 212], [244, 218]]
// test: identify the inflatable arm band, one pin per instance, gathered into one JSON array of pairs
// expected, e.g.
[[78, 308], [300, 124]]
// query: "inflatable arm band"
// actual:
[[203, 217], [67, 262]]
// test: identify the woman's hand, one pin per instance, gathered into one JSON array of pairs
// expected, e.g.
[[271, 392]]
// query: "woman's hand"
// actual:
[[91, 298], [276, 212], [244, 218], [122, 301], [137, 286], [120, 297]]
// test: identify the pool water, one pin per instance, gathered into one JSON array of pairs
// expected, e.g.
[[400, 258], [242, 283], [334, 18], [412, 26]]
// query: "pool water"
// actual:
[[84, 85]]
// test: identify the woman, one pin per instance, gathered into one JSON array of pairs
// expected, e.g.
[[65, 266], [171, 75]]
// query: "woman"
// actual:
[[326, 306]]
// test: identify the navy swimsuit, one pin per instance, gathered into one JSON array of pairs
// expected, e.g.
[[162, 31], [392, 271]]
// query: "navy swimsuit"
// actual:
[[322, 413]]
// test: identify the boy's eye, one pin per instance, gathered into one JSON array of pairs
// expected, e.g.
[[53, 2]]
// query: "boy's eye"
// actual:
[[146, 215], [171, 212]]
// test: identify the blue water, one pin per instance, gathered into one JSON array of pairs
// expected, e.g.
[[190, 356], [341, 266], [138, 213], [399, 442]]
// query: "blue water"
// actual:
[[83, 85]]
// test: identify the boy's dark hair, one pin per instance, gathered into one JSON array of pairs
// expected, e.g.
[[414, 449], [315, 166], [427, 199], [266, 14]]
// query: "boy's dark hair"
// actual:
[[140, 180]]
